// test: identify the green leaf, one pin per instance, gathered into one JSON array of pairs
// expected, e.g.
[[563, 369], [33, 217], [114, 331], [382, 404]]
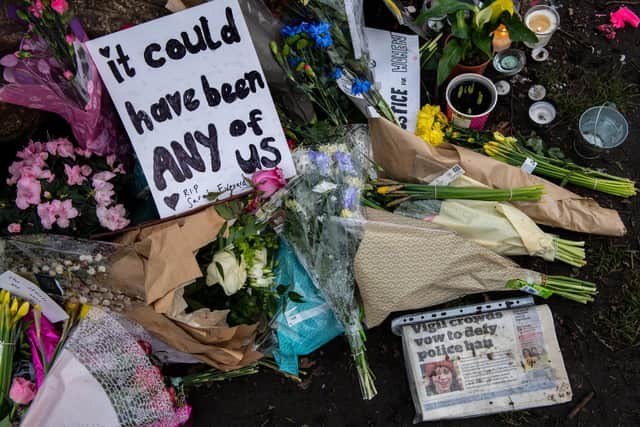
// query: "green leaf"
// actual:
[[281, 289], [445, 8], [482, 41], [225, 211], [213, 196], [482, 17], [295, 297], [460, 29], [518, 32], [451, 56]]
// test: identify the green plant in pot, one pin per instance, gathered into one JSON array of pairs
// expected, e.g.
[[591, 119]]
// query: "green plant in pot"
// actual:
[[472, 32]]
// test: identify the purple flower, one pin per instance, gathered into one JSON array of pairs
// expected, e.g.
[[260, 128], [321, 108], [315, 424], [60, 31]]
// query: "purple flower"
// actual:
[[337, 73], [321, 160], [290, 30], [351, 198], [344, 162], [320, 34]]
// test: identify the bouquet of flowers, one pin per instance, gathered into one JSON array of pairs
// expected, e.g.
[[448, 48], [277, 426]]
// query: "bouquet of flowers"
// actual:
[[53, 72], [434, 128], [322, 209], [55, 186], [317, 56]]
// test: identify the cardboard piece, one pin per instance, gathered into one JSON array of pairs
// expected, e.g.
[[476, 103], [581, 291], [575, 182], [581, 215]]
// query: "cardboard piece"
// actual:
[[395, 62], [199, 115], [406, 157]]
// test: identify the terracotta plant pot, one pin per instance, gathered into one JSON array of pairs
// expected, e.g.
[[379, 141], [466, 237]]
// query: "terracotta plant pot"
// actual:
[[462, 69]]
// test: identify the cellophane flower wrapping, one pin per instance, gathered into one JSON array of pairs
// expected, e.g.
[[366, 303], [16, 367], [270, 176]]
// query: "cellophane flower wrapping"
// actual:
[[107, 379], [76, 270], [37, 82], [302, 327], [321, 223]]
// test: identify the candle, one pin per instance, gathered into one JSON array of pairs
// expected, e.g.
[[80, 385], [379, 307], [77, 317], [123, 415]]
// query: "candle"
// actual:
[[501, 40], [542, 113], [544, 21]]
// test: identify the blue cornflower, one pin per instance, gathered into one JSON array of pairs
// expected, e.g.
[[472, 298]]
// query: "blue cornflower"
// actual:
[[351, 198], [294, 61], [337, 73], [360, 86], [290, 30], [320, 34], [321, 160], [343, 160]]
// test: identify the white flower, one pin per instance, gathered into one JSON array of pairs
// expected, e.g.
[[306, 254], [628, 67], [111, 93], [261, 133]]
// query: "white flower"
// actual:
[[91, 271], [45, 268], [353, 181], [233, 276], [102, 269], [98, 257], [259, 262], [59, 269], [324, 187]]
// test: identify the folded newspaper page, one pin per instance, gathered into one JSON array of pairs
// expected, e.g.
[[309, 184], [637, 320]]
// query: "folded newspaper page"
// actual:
[[485, 363]]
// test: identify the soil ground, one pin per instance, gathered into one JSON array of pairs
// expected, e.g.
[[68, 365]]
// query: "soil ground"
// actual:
[[599, 341]]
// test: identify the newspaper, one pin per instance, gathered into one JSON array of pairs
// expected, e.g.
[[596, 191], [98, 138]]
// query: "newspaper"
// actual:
[[485, 363]]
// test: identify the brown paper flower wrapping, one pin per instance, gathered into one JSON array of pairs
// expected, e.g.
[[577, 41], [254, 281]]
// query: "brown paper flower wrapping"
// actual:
[[163, 263], [406, 264], [406, 157]]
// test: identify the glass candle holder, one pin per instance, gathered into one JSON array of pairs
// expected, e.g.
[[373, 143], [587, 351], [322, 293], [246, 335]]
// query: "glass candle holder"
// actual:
[[543, 21], [501, 40]]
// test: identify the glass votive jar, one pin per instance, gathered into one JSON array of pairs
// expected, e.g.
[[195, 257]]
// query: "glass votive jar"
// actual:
[[543, 20]]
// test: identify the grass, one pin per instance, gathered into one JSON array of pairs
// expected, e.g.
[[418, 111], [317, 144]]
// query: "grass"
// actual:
[[623, 320], [573, 89]]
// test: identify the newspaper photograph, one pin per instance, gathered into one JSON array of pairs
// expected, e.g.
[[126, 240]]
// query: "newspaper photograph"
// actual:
[[485, 363]]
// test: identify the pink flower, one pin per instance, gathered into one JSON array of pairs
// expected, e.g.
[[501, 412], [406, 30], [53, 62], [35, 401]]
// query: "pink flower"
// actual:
[[67, 74], [14, 228], [100, 180], [112, 218], [22, 391], [65, 148], [103, 197], [111, 159], [84, 153], [252, 206], [86, 170], [74, 175], [69, 38], [622, 16], [47, 195], [269, 181], [56, 212], [608, 31], [60, 6], [28, 192], [36, 9]]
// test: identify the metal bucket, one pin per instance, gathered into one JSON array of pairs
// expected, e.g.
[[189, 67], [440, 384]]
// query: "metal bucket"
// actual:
[[602, 128]]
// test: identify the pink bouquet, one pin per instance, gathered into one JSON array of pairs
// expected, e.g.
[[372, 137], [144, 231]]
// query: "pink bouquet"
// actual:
[[53, 72], [66, 188]]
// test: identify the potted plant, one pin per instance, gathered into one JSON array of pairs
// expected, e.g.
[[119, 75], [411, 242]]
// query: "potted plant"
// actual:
[[469, 46]]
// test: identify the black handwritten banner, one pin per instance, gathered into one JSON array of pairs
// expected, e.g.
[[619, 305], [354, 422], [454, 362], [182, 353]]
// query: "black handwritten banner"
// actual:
[[195, 103]]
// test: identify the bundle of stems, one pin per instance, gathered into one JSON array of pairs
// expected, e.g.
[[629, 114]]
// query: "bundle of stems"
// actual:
[[509, 150], [12, 310], [216, 375], [574, 289], [570, 252], [395, 192]]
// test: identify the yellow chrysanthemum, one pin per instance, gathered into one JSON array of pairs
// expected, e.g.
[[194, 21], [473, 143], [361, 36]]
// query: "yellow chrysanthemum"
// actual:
[[431, 122]]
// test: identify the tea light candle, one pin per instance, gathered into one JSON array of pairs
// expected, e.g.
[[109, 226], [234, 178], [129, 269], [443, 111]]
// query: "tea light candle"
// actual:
[[544, 21], [501, 40], [542, 113]]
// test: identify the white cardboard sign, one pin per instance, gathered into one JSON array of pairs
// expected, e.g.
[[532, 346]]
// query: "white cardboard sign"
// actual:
[[395, 61], [16, 285], [191, 93]]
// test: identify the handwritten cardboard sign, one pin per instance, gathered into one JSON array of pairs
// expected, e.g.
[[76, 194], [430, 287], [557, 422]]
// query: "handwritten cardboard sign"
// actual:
[[24, 289], [395, 62], [194, 100]]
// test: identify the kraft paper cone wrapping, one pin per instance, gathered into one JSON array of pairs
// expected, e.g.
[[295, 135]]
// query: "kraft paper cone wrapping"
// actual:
[[167, 250], [406, 157], [223, 347], [406, 264]]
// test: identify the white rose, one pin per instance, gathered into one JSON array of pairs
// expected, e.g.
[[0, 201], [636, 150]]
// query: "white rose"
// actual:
[[259, 261], [234, 273]]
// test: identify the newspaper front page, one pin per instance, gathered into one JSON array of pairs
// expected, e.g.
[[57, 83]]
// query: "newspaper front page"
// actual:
[[485, 363]]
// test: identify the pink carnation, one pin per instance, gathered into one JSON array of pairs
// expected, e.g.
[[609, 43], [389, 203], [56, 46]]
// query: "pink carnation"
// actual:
[[56, 212], [112, 218], [28, 192], [74, 175], [14, 228], [60, 6]]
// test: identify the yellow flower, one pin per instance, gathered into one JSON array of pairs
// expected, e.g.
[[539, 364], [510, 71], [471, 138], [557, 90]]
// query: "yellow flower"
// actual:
[[14, 306], [471, 139], [84, 310], [431, 121], [22, 311], [384, 190], [346, 213], [498, 136]]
